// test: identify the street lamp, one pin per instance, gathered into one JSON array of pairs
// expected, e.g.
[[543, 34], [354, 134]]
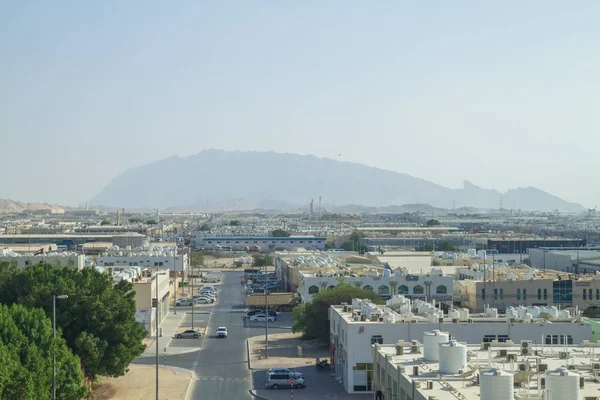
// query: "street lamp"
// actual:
[[156, 325], [54, 297]]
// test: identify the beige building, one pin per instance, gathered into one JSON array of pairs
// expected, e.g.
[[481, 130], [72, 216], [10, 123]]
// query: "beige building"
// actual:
[[73, 260], [147, 306]]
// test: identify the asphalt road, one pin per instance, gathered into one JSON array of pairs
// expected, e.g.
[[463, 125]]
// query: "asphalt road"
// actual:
[[220, 365]]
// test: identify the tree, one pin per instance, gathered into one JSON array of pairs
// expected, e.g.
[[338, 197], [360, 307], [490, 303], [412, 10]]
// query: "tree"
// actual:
[[205, 227], [105, 222], [97, 320], [353, 242], [235, 222], [433, 222], [151, 222], [262, 260], [134, 220], [197, 258], [312, 318], [280, 233], [27, 347]]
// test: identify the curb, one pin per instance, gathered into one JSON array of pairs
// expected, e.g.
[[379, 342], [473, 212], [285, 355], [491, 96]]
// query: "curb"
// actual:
[[253, 394]]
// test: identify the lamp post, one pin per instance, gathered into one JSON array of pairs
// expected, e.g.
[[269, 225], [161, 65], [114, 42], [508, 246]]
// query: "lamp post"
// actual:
[[156, 326], [54, 297]]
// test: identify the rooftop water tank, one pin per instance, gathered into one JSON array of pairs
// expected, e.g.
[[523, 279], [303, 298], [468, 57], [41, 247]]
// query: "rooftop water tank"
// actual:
[[464, 314], [431, 344], [495, 384], [453, 313], [387, 273], [563, 384], [453, 357], [492, 312]]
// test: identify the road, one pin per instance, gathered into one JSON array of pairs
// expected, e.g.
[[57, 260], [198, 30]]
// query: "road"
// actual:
[[220, 365]]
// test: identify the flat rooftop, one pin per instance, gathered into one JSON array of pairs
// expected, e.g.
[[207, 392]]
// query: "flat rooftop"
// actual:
[[525, 369]]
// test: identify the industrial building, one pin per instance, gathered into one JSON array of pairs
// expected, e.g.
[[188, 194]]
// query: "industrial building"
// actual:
[[437, 368], [571, 260], [355, 327], [67, 239], [264, 243], [514, 246], [145, 257]]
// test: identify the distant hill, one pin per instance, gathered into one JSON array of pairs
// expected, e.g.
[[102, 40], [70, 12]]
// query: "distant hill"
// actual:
[[215, 180], [12, 207]]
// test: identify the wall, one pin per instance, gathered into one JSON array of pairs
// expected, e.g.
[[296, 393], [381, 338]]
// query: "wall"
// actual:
[[176, 263], [73, 261]]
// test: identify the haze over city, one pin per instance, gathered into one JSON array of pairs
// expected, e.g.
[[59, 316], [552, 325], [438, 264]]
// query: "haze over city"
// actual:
[[503, 95]]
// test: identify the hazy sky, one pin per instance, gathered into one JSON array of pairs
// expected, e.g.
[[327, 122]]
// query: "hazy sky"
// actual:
[[503, 94]]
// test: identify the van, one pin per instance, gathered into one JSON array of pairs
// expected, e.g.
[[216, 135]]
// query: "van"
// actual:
[[276, 381]]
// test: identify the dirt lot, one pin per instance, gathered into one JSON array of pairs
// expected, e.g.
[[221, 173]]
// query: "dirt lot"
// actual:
[[139, 383], [283, 351]]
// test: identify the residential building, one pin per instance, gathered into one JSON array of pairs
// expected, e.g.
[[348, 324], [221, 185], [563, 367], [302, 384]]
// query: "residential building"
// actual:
[[357, 326]]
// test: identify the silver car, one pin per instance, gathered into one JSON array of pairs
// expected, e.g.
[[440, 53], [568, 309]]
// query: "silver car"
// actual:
[[189, 334]]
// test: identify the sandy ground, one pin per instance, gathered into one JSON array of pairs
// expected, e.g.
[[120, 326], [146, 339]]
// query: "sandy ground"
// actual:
[[283, 351], [139, 383]]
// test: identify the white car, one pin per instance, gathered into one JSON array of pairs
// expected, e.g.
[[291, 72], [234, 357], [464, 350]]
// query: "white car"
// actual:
[[221, 332], [261, 317], [204, 300], [295, 374], [207, 294], [184, 301]]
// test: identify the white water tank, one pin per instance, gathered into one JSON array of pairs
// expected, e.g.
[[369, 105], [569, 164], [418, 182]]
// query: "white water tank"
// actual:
[[495, 384], [431, 344], [453, 357], [464, 314], [453, 313], [492, 312], [563, 384]]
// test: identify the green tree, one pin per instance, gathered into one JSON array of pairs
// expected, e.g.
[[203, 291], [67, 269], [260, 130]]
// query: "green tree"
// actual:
[[97, 320], [105, 222], [205, 227], [280, 233], [197, 258], [27, 347], [261, 260], [134, 220], [433, 222], [312, 318], [235, 222], [151, 222], [353, 242]]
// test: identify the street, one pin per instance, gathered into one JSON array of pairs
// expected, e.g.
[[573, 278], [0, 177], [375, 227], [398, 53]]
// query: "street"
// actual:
[[220, 366]]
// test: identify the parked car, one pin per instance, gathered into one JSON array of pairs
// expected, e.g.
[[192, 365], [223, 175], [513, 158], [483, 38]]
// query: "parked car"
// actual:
[[184, 301], [262, 317], [221, 332], [275, 381], [288, 371], [204, 300], [190, 333], [259, 311]]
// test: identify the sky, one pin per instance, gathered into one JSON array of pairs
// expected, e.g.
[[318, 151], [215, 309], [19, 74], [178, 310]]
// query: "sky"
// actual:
[[503, 94]]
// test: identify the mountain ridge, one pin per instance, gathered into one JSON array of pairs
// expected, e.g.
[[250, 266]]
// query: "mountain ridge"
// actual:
[[235, 178]]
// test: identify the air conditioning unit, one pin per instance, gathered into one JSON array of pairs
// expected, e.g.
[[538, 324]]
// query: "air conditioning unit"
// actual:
[[441, 320], [355, 318], [510, 357], [380, 319], [430, 385], [485, 345], [363, 317], [522, 367], [542, 383], [563, 355], [596, 366], [542, 367], [524, 351], [502, 353], [571, 367], [344, 303], [454, 320], [525, 344]]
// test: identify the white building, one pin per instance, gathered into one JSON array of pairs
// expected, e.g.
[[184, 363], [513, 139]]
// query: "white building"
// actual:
[[570, 260], [435, 368], [354, 328], [150, 257], [264, 242], [434, 286], [64, 259]]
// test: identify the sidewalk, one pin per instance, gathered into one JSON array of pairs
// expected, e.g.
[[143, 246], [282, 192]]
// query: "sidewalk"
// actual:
[[168, 327]]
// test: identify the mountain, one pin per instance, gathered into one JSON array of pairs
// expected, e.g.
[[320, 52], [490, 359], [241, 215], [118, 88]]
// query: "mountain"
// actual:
[[215, 180], [12, 207]]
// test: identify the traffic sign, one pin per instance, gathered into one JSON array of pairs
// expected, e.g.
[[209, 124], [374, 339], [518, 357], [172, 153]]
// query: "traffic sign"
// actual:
[[292, 381]]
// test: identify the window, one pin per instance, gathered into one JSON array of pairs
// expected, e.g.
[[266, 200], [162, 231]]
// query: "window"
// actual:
[[503, 338], [368, 287], [383, 289], [501, 294], [597, 294], [495, 294], [524, 294], [488, 338], [402, 289], [363, 377], [301, 241], [539, 294], [483, 294], [558, 339], [518, 294], [376, 339], [418, 289], [313, 289], [441, 289], [545, 294], [584, 296], [264, 242]]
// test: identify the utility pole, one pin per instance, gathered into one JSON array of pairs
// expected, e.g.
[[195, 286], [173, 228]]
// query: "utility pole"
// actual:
[[266, 315]]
